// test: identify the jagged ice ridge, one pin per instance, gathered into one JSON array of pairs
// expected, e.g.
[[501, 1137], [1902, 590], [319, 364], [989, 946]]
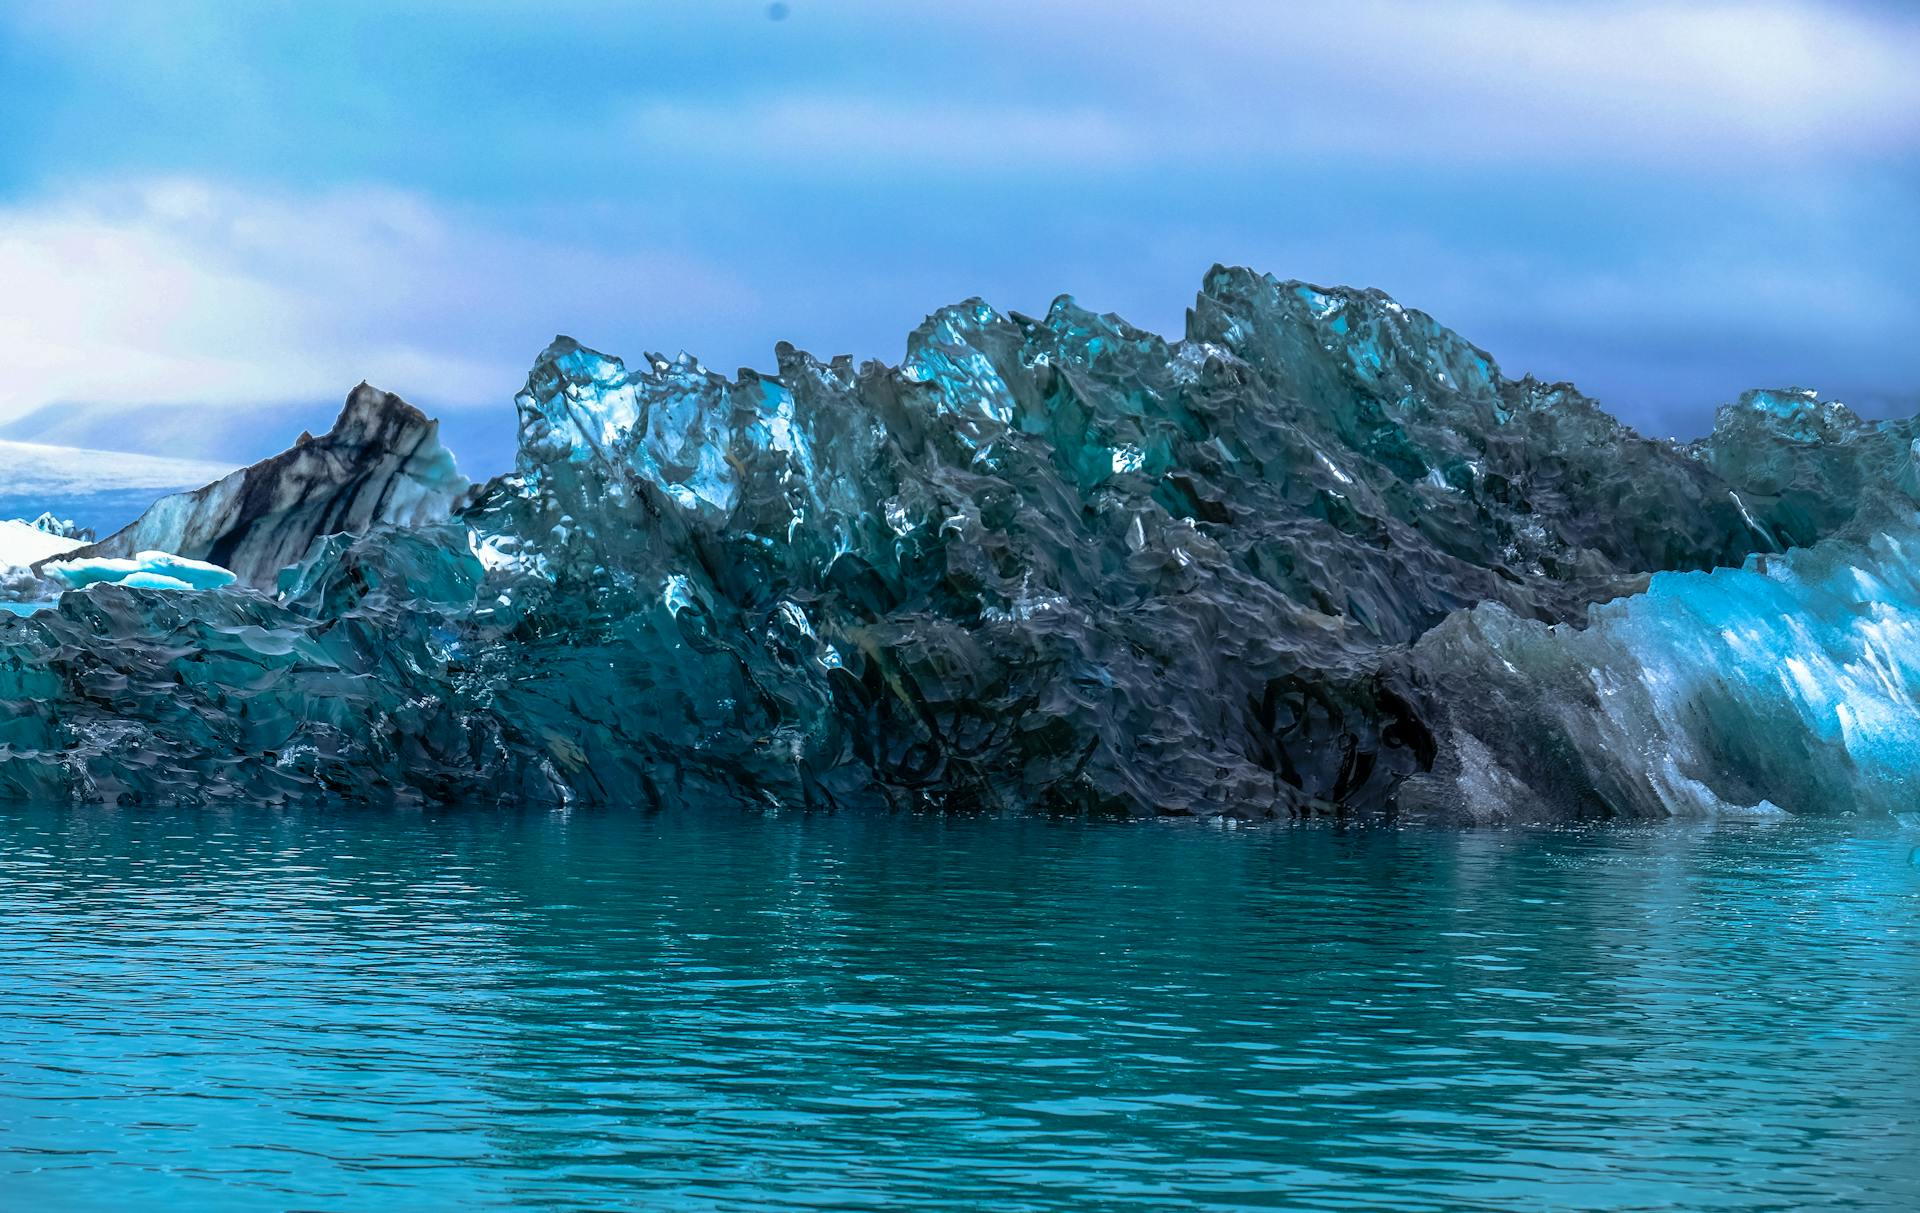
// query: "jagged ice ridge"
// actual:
[[1317, 557]]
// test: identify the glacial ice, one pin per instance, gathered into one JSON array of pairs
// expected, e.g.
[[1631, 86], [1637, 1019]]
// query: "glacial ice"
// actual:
[[36, 477], [382, 462], [1319, 556], [23, 544], [143, 570], [1790, 682]]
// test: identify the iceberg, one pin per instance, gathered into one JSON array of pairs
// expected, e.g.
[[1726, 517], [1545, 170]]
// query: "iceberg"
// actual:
[[146, 570], [24, 544], [381, 463], [1791, 683], [1318, 556], [61, 528]]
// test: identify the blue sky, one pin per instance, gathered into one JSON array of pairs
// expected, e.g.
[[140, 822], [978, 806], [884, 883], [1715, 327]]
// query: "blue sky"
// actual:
[[210, 208]]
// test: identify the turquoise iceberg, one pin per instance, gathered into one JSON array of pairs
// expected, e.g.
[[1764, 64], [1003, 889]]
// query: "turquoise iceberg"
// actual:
[[143, 570], [1278, 567]]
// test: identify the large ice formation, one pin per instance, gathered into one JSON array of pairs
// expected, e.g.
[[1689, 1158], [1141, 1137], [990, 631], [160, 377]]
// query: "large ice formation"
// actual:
[[1317, 557], [382, 462]]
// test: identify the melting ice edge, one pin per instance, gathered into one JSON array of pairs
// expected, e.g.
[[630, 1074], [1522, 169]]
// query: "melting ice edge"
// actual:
[[1318, 557]]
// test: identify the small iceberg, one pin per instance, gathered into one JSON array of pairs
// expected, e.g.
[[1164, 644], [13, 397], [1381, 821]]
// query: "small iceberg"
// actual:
[[23, 543], [143, 570]]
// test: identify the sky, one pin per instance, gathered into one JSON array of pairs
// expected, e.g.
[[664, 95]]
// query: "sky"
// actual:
[[219, 212]]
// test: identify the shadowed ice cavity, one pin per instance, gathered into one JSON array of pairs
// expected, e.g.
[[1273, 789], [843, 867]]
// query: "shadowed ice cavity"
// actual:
[[1056, 563]]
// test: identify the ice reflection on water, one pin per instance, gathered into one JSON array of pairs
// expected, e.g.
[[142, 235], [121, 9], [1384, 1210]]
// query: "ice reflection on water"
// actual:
[[361, 1009]]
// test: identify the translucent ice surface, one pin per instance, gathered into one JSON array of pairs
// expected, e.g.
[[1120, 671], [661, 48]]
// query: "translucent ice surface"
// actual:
[[1317, 556]]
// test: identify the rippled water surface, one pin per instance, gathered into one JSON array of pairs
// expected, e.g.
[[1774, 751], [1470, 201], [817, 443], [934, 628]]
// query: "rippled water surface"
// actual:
[[265, 1010]]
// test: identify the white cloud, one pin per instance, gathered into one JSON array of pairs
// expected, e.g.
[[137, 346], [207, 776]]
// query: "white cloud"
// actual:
[[888, 156], [919, 136], [182, 291], [1003, 84], [1709, 82]]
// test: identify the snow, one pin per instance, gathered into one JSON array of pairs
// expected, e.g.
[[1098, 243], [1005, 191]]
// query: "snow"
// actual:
[[22, 543], [37, 469]]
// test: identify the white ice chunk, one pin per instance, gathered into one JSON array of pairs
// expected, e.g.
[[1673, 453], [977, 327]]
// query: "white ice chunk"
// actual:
[[22, 544], [149, 570]]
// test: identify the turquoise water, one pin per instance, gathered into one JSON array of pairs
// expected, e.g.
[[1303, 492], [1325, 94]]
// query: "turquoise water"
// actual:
[[267, 1010]]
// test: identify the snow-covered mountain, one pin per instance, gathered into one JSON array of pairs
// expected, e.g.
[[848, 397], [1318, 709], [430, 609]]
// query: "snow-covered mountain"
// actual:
[[96, 488], [63, 457], [482, 439]]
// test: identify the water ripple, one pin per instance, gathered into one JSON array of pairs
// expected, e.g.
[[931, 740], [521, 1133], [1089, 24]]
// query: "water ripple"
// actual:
[[356, 1010]]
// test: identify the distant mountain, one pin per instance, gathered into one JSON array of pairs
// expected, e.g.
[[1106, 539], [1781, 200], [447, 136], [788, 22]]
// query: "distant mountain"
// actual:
[[103, 464], [197, 432], [482, 440], [96, 488]]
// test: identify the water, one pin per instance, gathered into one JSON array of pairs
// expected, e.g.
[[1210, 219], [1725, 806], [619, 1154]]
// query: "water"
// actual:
[[358, 1009]]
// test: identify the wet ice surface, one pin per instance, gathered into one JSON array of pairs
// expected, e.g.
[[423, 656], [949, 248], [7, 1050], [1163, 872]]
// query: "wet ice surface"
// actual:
[[1315, 557], [258, 1009]]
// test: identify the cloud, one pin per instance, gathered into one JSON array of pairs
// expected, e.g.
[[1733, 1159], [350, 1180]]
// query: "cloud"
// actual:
[[183, 291], [1495, 79], [988, 86], [1594, 189], [795, 132], [996, 89]]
